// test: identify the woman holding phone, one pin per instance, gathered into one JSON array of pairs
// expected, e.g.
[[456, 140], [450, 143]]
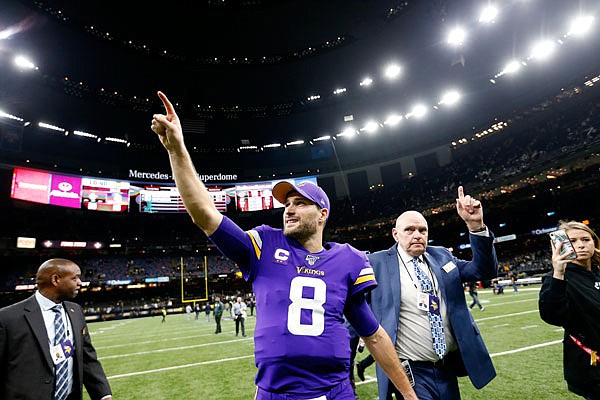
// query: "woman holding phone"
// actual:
[[570, 297]]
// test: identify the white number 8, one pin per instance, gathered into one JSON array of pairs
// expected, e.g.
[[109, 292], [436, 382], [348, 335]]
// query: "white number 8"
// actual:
[[315, 304]]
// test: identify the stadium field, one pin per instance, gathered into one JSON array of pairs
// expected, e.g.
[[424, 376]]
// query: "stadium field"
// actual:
[[184, 359]]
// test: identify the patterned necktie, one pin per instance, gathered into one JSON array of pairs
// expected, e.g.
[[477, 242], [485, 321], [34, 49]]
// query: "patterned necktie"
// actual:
[[435, 319], [61, 371]]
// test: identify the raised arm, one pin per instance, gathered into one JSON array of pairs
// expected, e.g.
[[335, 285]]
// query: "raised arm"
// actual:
[[470, 210], [195, 197]]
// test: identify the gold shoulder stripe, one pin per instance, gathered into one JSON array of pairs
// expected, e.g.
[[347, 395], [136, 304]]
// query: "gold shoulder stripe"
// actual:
[[254, 244], [362, 279]]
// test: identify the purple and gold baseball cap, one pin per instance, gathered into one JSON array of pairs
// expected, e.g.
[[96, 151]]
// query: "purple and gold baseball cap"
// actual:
[[307, 189]]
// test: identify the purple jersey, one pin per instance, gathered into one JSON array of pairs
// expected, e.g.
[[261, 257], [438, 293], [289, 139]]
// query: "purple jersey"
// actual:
[[301, 344]]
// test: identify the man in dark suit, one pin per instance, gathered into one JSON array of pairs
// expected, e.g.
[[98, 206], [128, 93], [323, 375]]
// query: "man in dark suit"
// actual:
[[38, 341], [420, 302]]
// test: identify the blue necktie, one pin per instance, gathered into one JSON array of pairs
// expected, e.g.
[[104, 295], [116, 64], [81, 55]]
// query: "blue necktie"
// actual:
[[61, 371], [435, 319]]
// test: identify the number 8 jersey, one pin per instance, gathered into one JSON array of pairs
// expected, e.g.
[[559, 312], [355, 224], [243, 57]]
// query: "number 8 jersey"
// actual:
[[301, 343]]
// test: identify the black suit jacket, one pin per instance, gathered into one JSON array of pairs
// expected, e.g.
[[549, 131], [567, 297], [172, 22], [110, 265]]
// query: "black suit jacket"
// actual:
[[26, 366]]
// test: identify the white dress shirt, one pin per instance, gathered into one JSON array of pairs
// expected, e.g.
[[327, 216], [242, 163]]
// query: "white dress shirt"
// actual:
[[46, 306], [413, 340]]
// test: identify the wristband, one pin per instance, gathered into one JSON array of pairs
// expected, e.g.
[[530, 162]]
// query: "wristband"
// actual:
[[483, 228]]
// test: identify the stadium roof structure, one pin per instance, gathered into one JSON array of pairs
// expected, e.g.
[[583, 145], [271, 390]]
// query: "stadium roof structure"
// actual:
[[260, 72]]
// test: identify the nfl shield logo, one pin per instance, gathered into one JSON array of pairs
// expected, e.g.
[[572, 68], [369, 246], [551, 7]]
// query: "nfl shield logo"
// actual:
[[311, 260]]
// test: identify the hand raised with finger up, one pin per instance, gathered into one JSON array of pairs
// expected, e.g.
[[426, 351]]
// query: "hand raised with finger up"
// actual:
[[470, 210]]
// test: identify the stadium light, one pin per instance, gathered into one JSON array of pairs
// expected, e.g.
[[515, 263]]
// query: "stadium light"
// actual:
[[543, 49], [488, 14], [449, 98], [10, 116], [370, 127], [456, 37], [512, 67], [393, 120], [580, 25], [85, 134], [51, 127], [366, 81], [115, 140], [242, 148], [418, 111], [24, 63], [347, 132], [392, 71]]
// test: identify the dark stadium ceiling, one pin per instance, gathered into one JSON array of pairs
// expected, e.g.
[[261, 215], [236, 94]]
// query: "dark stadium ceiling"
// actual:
[[241, 71]]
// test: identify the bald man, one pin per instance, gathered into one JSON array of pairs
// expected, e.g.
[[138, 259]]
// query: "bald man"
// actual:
[[420, 302], [33, 353]]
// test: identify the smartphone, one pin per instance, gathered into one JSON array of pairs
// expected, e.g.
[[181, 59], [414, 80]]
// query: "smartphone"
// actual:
[[561, 236]]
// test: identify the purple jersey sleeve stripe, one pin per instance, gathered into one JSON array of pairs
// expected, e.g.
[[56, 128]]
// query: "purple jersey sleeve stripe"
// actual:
[[362, 279], [254, 244]]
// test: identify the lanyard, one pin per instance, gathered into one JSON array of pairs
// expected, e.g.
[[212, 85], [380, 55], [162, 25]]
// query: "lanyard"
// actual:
[[433, 281], [594, 357]]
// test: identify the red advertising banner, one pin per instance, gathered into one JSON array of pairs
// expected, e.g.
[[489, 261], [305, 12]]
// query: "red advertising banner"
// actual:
[[30, 185]]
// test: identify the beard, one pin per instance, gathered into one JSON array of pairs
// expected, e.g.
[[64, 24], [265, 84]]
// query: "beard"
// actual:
[[302, 232]]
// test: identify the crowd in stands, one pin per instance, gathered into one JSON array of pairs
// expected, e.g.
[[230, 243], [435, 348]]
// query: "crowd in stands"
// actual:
[[545, 159]]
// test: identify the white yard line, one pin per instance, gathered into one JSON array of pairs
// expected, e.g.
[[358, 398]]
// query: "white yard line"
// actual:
[[535, 346], [141, 353], [152, 371], [154, 341], [368, 380], [506, 315]]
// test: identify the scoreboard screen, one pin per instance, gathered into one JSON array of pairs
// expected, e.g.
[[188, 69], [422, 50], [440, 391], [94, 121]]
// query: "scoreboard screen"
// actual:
[[105, 195], [157, 199], [116, 196], [254, 197], [259, 195], [46, 188], [166, 199]]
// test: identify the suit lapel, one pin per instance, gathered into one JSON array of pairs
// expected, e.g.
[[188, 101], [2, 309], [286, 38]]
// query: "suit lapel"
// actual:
[[393, 272], [77, 326], [33, 316]]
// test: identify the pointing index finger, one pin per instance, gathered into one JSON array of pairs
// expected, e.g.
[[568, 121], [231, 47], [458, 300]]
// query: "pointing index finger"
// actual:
[[461, 192], [168, 106]]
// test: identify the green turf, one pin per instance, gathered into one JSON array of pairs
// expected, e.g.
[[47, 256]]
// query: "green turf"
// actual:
[[184, 359]]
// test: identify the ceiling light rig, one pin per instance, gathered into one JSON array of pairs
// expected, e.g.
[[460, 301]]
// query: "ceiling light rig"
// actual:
[[543, 49], [310, 51], [578, 28]]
